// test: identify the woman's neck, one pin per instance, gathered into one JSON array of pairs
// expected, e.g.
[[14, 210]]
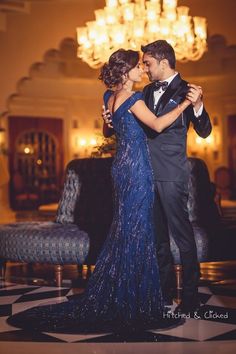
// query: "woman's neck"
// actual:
[[128, 86]]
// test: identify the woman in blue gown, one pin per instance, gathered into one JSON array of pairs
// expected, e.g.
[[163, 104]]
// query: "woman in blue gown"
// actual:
[[123, 293]]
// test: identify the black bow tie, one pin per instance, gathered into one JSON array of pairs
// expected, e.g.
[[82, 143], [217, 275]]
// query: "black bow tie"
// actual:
[[161, 84]]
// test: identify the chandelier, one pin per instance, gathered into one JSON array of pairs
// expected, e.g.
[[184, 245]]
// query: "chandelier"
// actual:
[[129, 24]]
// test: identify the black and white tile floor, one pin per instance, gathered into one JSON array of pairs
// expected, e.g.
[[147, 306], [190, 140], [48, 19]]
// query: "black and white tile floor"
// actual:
[[216, 323]]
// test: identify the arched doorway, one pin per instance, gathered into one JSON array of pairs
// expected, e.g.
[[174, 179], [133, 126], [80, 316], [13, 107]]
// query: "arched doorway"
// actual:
[[36, 161]]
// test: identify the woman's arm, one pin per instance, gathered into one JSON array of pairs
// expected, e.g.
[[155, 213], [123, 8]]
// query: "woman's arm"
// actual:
[[158, 124]]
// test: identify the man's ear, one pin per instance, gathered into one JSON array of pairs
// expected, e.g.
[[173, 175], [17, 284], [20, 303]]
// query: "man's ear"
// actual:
[[165, 63]]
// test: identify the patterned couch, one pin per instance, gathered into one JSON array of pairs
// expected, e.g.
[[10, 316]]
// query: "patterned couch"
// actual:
[[60, 242], [86, 203]]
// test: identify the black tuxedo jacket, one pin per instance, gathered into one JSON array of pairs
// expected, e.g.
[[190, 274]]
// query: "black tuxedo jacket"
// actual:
[[168, 148]]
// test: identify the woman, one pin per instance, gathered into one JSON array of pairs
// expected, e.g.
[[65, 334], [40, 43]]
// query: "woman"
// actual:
[[123, 292]]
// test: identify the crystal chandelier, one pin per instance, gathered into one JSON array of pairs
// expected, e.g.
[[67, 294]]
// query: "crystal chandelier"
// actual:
[[129, 24]]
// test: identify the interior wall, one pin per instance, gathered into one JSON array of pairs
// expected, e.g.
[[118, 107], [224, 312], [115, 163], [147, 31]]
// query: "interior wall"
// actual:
[[29, 35], [41, 75]]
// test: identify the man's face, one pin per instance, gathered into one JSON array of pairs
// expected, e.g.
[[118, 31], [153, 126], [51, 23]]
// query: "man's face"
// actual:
[[152, 67]]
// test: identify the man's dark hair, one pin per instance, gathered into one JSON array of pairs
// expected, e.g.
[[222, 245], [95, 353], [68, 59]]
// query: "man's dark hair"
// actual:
[[160, 50]]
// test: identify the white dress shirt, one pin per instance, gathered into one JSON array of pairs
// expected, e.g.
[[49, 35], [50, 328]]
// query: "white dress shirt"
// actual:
[[158, 93]]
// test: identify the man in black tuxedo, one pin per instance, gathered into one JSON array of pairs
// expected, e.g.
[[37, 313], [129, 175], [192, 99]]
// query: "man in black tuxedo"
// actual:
[[170, 166]]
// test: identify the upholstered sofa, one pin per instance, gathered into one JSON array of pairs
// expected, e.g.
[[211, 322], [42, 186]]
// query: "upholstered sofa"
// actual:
[[86, 204], [58, 243]]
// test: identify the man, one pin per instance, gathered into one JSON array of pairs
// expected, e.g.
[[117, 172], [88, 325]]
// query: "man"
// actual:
[[170, 166]]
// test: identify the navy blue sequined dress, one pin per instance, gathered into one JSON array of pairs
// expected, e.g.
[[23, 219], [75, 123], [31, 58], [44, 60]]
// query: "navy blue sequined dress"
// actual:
[[124, 289]]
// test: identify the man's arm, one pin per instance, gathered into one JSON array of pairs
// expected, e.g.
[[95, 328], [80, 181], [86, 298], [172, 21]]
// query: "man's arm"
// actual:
[[107, 123], [201, 124], [107, 131], [197, 113]]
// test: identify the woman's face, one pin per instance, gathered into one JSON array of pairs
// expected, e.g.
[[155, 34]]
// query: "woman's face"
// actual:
[[136, 73]]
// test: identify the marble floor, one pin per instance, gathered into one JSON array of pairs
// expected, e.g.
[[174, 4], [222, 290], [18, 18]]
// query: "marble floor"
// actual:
[[27, 286], [213, 328]]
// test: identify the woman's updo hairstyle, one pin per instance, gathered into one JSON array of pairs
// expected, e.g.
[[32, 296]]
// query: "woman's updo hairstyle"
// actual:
[[118, 66]]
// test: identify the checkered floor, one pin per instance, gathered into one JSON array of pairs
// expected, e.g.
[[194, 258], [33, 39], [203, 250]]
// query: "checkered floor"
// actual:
[[215, 322]]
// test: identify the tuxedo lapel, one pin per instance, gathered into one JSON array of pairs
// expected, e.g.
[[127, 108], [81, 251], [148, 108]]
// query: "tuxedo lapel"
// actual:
[[149, 99], [172, 90]]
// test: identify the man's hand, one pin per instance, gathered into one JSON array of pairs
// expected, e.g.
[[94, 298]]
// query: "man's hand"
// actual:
[[194, 95], [106, 115]]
